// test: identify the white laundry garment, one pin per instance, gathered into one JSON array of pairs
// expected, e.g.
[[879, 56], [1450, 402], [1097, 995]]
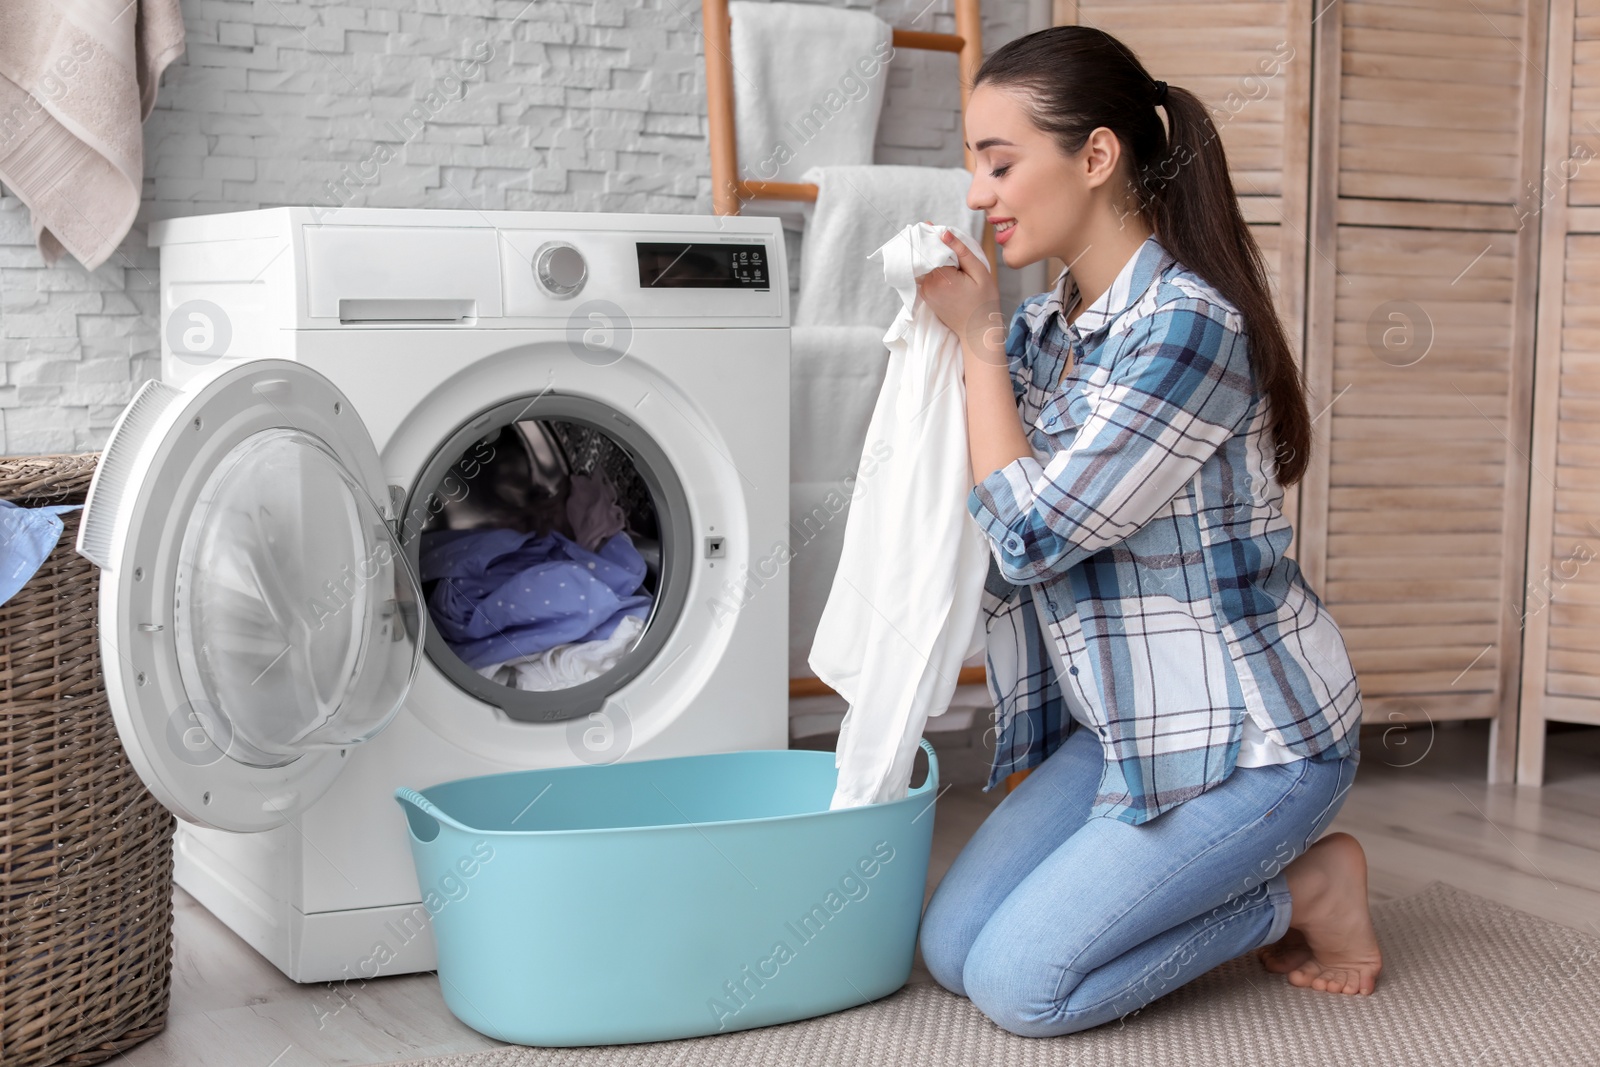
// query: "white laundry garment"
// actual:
[[900, 618], [566, 665]]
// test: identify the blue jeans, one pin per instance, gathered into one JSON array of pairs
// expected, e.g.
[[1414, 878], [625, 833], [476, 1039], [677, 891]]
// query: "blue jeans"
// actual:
[[1051, 921]]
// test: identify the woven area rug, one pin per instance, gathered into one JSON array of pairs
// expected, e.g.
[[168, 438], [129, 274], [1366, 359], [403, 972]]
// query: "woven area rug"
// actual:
[[1465, 981]]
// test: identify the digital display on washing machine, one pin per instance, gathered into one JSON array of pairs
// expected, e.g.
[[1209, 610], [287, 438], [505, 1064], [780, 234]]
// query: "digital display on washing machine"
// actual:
[[679, 265]]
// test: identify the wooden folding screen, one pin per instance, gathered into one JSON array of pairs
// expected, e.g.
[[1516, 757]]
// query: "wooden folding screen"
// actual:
[[1561, 602], [1381, 168], [1420, 344]]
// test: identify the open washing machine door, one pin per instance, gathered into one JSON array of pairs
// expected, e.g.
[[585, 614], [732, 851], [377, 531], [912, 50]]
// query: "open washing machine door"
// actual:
[[257, 615]]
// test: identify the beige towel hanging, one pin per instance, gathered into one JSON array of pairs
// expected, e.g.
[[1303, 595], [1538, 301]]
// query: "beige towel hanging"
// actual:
[[77, 80]]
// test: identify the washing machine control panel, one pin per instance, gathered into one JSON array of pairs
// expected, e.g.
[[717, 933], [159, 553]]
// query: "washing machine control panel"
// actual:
[[653, 276], [702, 265]]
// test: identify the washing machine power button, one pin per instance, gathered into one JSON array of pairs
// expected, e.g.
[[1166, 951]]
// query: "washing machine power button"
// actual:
[[560, 269]]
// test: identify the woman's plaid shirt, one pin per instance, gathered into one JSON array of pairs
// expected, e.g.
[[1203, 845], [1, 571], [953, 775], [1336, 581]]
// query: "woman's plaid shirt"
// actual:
[[1149, 521]]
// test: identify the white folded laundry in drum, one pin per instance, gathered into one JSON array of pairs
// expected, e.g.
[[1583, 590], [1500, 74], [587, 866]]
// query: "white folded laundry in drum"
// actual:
[[900, 618], [565, 666]]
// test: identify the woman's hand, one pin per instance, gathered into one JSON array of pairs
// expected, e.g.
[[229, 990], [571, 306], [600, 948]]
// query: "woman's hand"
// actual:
[[966, 298]]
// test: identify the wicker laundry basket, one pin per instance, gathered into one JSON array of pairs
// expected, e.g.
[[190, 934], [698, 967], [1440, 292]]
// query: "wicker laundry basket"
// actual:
[[85, 851]]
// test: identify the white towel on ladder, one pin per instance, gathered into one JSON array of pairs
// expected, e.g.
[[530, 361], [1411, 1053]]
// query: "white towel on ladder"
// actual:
[[900, 618], [809, 81]]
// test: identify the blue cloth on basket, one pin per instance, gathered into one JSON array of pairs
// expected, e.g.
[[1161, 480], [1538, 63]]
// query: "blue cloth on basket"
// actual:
[[27, 536], [504, 594]]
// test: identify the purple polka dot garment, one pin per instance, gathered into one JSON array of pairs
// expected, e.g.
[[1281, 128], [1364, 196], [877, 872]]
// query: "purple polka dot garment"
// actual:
[[501, 594]]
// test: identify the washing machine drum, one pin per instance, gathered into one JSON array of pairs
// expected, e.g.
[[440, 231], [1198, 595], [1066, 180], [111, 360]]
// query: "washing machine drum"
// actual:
[[551, 539]]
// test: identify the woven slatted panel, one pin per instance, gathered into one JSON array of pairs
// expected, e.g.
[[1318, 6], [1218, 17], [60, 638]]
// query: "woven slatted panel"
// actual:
[[1561, 679], [1563, 592], [1582, 118], [1418, 456], [85, 850], [1431, 99], [1566, 578], [1562, 578]]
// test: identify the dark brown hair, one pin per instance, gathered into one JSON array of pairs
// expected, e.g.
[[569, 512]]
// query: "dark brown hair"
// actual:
[[1077, 78]]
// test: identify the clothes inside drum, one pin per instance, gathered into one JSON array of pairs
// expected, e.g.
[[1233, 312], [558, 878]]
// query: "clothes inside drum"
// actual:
[[542, 560]]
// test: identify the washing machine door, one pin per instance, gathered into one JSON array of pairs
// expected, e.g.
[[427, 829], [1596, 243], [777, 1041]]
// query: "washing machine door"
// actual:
[[257, 616]]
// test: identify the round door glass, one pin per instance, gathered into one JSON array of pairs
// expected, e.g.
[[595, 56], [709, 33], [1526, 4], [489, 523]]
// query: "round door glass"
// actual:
[[296, 612], [550, 539]]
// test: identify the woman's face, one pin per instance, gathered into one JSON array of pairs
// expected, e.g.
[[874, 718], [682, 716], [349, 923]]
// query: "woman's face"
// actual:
[[1039, 199]]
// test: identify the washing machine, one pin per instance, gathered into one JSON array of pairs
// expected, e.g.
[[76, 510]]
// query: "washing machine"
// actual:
[[362, 415]]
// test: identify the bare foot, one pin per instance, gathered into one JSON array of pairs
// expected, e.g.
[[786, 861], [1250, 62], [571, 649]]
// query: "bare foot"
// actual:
[[1286, 953], [1339, 950]]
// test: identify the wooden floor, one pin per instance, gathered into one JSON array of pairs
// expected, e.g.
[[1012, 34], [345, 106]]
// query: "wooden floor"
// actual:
[[1419, 806]]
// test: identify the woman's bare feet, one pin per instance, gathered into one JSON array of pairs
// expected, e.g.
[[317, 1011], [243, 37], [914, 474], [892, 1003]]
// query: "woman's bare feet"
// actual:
[[1331, 947], [1285, 954]]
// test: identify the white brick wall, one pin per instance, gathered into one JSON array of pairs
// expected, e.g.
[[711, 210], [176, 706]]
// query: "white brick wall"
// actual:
[[591, 106]]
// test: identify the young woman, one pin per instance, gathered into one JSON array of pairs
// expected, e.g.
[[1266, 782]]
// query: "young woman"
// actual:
[[1186, 697]]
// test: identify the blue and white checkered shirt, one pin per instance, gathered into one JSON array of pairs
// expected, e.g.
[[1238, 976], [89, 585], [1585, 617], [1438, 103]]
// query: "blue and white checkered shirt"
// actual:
[[1149, 520]]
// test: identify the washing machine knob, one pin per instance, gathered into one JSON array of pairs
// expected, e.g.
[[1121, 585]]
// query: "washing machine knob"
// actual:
[[560, 269]]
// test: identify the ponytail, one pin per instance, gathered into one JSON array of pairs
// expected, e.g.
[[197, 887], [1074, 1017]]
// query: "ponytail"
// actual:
[[1080, 78]]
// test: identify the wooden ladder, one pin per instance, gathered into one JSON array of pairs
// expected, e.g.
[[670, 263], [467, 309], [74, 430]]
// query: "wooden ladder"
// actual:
[[729, 191]]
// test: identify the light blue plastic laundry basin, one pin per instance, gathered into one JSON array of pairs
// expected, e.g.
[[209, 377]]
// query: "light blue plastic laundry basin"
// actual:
[[667, 898]]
